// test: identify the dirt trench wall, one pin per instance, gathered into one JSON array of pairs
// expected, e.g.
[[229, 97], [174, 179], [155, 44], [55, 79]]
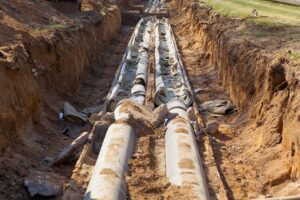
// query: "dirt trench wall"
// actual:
[[261, 83], [68, 54], [42, 66], [20, 98]]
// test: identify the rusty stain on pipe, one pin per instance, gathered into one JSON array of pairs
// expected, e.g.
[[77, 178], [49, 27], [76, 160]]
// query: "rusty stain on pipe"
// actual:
[[183, 162]]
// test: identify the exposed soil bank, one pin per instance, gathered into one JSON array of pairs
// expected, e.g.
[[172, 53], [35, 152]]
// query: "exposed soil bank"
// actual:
[[46, 59], [42, 59], [97, 87], [262, 80]]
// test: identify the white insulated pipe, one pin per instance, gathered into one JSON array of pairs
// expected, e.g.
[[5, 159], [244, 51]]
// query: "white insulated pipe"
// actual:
[[107, 181], [156, 7], [170, 81], [133, 68], [110, 105], [183, 162]]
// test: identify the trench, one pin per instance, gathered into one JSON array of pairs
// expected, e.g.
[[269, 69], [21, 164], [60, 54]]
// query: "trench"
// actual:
[[164, 62], [171, 153], [221, 152]]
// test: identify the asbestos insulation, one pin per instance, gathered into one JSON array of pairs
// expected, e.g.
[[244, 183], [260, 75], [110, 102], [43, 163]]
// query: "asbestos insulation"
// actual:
[[156, 6], [169, 76], [132, 78]]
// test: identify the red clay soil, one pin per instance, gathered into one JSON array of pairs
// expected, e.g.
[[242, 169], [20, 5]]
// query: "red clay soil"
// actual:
[[256, 150], [46, 57]]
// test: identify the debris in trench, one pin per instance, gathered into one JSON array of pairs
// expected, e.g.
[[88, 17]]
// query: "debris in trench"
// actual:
[[71, 114], [46, 184], [200, 90], [191, 114], [217, 107], [159, 115], [212, 127], [68, 128], [197, 130], [74, 126], [68, 151], [35, 72], [94, 109], [73, 131], [108, 116], [3, 55], [98, 135]]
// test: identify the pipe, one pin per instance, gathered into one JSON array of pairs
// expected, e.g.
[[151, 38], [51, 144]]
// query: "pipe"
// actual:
[[134, 67], [118, 145], [115, 83], [183, 163], [194, 105], [107, 181], [170, 81], [156, 7]]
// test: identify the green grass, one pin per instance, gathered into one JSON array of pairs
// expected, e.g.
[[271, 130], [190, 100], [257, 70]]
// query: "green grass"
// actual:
[[51, 27], [295, 55], [270, 13]]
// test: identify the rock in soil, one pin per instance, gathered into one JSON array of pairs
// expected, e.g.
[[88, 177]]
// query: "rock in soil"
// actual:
[[45, 184]]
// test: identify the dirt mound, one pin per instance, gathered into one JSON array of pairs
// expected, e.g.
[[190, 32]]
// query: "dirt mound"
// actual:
[[146, 178]]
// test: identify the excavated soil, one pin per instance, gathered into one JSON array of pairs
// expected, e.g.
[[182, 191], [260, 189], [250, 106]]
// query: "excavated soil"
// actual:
[[61, 54], [146, 178]]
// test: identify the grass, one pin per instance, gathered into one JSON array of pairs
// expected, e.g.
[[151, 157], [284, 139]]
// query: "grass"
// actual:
[[277, 23], [295, 55], [270, 13], [51, 27]]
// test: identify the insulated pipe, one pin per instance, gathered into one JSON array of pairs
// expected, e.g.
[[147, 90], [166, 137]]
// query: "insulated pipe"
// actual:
[[170, 80], [138, 93], [115, 83], [107, 181], [133, 69], [194, 105], [183, 163], [115, 95], [156, 7], [180, 61]]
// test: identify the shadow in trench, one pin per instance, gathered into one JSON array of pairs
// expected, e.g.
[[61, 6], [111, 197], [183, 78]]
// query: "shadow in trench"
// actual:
[[217, 157]]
